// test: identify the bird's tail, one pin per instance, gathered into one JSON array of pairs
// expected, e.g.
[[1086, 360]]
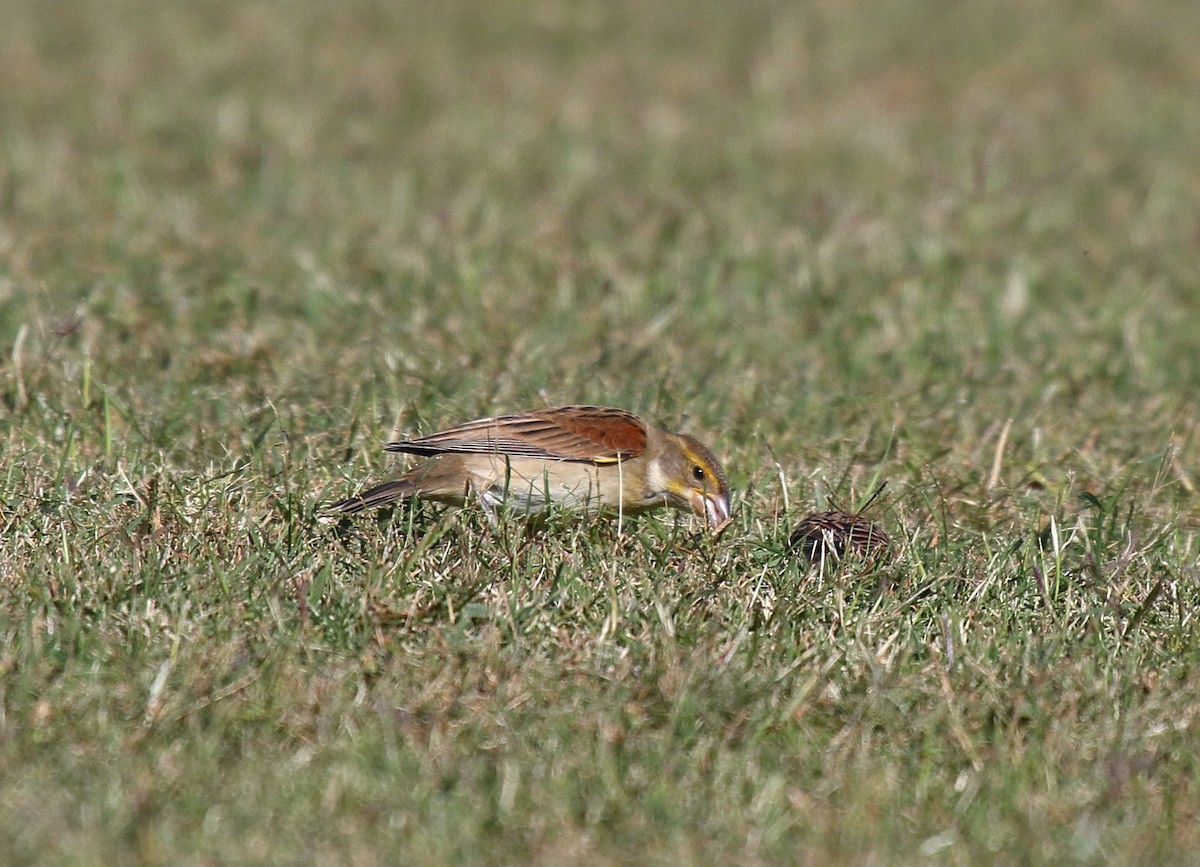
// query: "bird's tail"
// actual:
[[374, 498]]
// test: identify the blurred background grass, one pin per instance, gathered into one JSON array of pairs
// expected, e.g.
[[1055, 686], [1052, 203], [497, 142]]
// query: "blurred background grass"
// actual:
[[949, 245]]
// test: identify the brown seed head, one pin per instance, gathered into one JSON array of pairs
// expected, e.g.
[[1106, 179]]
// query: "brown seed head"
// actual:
[[835, 535]]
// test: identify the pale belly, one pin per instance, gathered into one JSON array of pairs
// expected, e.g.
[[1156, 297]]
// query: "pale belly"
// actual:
[[529, 486]]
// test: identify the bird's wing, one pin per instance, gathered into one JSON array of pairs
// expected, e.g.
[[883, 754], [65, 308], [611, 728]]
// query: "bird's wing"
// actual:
[[569, 433]]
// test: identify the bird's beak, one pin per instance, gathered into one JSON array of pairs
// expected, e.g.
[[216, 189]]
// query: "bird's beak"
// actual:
[[714, 507]]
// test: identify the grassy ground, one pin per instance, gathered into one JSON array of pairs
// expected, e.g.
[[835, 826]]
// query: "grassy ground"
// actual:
[[950, 246]]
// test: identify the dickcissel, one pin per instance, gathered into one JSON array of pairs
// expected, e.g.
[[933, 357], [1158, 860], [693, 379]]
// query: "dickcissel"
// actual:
[[593, 458]]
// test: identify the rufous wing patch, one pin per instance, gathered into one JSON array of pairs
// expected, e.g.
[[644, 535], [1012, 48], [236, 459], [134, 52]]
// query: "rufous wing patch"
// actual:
[[603, 433], [569, 433]]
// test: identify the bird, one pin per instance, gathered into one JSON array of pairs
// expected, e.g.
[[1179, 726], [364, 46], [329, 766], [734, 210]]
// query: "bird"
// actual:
[[594, 458]]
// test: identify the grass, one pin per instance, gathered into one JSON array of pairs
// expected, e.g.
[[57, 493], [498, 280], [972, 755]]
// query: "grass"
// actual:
[[949, 247]]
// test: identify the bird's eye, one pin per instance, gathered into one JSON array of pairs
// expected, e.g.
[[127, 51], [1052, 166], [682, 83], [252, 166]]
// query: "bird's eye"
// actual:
[[698, 473]]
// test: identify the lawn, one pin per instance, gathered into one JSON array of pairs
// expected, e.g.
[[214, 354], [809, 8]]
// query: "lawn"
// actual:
[[951, 247]]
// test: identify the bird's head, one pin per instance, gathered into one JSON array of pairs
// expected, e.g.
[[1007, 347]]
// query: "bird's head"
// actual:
[[689, 477]]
